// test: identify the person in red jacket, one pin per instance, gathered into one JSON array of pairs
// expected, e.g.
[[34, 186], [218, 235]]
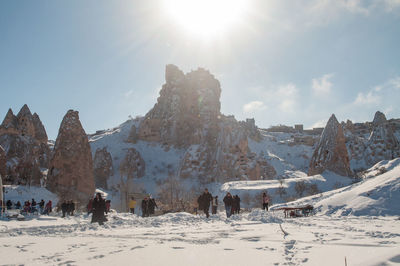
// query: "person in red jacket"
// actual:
[[48, 208]]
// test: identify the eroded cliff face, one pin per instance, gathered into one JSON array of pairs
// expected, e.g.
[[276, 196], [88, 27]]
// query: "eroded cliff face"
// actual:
[[71, 167], [103, 167], [24, 140], [331, 152], [371, 142], [187, 110], [187, 115]]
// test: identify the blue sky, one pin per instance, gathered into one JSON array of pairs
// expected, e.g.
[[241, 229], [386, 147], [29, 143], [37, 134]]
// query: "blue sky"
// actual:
[[283, 62]]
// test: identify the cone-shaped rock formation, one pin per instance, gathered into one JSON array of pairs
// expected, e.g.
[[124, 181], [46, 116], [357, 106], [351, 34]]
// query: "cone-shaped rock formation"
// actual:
[[331, 152], [71, 167]]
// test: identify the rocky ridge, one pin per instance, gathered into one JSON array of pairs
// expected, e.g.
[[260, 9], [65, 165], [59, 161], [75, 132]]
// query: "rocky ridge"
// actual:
[[24, 140]]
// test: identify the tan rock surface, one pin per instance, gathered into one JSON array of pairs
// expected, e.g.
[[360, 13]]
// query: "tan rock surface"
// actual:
[[71, 167]]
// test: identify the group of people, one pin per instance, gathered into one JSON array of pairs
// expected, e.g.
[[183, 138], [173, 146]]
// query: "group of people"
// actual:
[[30, 206], [148, 206], [68, 207], [232, 203]]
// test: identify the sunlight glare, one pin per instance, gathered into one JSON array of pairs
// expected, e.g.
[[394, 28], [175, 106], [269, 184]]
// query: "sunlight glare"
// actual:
[[205, 18]]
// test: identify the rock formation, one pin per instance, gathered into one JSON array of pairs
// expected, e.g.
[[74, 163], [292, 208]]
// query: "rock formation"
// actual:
[[382, 143], [27, 151], [103, 167], [3, 162], [186, 104], [187, 116], [379, 119], [331, 152], [133, 165], [71, 167]]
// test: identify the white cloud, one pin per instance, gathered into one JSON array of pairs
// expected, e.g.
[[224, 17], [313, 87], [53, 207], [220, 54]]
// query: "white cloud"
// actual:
[[368, 98], [254, 106], [383, 93], [320, 123], [322, 85]]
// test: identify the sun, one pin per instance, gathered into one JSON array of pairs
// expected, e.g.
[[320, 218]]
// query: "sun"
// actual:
[[206, 18]]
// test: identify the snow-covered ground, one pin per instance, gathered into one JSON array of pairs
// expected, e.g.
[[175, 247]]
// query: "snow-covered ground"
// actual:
[[253, 238], [377, 194]]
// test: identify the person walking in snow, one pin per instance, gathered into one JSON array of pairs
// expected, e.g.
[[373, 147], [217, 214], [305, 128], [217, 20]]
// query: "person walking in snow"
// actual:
[[214, 205], [108, 206], [64, 208], [145, 207], [41, 206], [9, 204], [265, 201], [132, 205], [236, 204], [48, 208], [205, 201], [228, 201], [71, 208], [98, 209], [152, 206]]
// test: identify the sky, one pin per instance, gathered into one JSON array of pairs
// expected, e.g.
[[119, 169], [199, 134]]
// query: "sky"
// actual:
[[280, 62]]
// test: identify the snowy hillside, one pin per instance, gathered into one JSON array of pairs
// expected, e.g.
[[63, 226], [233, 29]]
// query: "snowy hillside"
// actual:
[[161, 161], [283, 190], [377, 194]]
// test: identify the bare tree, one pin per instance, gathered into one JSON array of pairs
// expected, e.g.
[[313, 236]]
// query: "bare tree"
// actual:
[[174, 196]]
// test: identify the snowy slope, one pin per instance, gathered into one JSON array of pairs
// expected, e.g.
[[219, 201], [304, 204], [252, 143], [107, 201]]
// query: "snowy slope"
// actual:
[[324, 182], [377, 194]]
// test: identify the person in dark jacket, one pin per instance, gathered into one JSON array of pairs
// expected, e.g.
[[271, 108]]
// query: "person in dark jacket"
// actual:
[[98, 209], [236, 203], [145, 207], [9, 204], [214, 205], [228, 201], [204, 202], [71, 208], [41, 206], [152, 206], [64, 208], [18, 205]]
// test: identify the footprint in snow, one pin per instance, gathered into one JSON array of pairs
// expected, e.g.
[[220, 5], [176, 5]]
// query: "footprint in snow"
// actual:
[[178, 247], [132, 248], [98, 257], [228, 249]]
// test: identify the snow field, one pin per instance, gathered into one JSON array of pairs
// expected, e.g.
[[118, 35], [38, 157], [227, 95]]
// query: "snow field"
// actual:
[[253, 238]]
